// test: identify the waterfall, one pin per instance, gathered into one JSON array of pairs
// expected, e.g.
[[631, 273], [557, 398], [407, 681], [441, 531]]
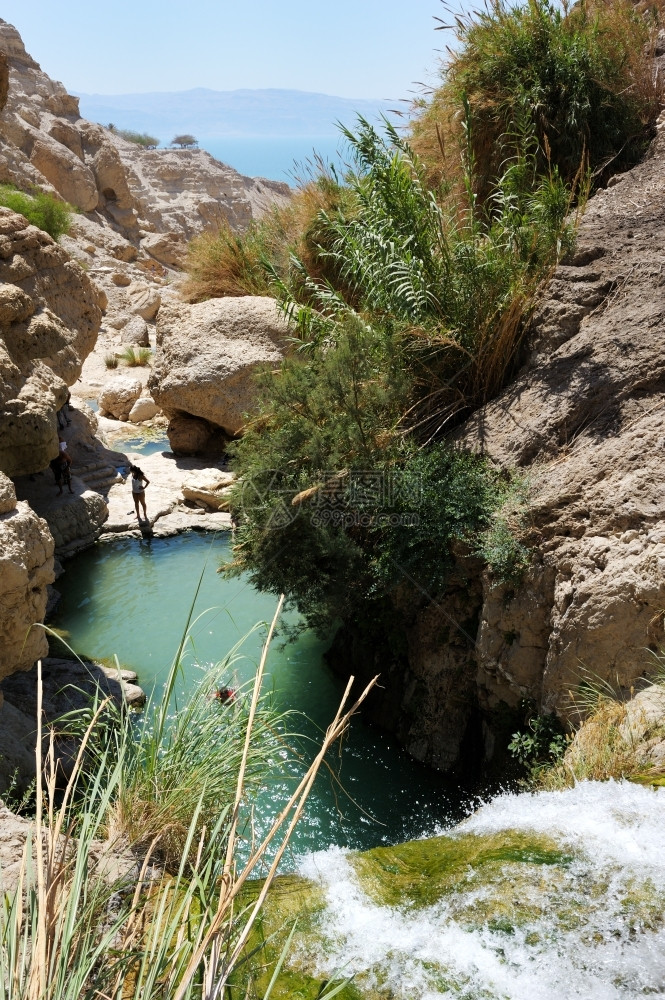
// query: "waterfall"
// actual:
[[541, 896]]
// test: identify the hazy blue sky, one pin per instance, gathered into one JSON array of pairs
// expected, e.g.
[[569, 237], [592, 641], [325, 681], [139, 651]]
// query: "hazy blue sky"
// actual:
[[353, 48]]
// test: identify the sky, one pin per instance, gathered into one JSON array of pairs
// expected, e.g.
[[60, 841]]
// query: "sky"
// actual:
[[350, 48]]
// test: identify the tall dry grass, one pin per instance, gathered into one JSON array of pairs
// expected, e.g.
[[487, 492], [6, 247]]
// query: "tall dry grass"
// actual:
[[96, 914], [230, 263]]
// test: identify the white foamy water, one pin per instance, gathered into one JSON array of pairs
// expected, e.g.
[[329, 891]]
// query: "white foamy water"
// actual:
[[589, 929]]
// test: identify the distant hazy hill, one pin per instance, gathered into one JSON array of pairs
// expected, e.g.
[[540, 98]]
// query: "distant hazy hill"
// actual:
[[212, 114]]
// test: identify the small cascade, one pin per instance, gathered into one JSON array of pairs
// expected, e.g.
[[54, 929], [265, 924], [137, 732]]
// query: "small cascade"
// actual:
[[535, 897]]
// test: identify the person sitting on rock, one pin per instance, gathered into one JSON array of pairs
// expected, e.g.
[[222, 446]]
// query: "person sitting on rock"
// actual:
[[139, 483]]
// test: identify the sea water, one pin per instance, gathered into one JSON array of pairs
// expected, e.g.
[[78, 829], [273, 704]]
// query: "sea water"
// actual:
[[278, 158]]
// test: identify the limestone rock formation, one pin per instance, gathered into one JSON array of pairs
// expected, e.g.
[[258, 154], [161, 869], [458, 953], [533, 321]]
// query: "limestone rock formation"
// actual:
[[49, 318], [26, 569], [208, 353], [118, 397], [169, 193], [584, 423], [585, 420]]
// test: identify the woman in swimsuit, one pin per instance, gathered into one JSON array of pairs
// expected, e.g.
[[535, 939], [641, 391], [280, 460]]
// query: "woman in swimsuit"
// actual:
[[139, 483]]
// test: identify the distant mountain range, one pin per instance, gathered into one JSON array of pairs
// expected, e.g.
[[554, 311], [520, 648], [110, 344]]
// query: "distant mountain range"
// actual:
[[216, 114]]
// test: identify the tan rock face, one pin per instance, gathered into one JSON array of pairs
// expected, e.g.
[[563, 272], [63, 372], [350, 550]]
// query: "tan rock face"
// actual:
[[176, 193], [208, 353], [586, 420], [26, 568], [49, 318]]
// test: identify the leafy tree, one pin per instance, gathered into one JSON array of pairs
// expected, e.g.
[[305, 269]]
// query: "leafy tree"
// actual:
[[184, 141]]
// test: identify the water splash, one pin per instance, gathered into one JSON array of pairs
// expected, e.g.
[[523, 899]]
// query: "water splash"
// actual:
[[587, 926]]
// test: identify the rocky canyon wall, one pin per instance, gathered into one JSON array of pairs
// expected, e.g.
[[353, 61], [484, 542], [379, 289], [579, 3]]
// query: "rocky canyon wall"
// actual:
[[584, 425]]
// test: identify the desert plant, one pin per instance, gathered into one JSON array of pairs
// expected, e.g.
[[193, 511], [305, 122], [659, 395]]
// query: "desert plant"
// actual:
[[184, 141], [582, 74], [40, 209], [87, 920], [136, 357], [111, 360], [138, 138]]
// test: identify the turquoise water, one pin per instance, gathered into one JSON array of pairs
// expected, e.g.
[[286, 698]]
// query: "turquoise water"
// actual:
[[277, 158], [144, 445], [131, 598]]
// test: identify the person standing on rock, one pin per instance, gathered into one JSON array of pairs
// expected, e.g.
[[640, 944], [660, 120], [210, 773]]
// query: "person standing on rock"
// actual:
[[62, 466], [139, 483]]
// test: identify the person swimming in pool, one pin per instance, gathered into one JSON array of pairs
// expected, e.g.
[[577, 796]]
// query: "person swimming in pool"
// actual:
[[225, 695]]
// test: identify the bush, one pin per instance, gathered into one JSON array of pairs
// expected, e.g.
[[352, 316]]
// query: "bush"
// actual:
[[417, 321], [230, 263], [40, 209], [111, 360], [582, 76], [138, 138]]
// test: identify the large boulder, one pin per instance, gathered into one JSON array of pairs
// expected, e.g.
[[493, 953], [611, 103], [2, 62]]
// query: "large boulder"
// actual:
[[168, 248], [135, 333], [208, 354], [117, 397], [26, 569], [145, 300], [49, 318], [145, 408]]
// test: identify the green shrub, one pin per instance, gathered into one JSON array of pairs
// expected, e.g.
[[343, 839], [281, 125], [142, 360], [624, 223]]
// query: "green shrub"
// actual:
[[136, 357], [542, 741], [111, 360], [40, 209], [417, 322], [138, 138], [582, 74]]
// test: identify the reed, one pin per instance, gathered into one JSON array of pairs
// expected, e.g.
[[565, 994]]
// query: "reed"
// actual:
[[103, 911]]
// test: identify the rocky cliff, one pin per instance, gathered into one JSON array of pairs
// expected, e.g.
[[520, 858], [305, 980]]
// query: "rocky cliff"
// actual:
[[26, 569], [49, 318], [584, 424], [45, 142]]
